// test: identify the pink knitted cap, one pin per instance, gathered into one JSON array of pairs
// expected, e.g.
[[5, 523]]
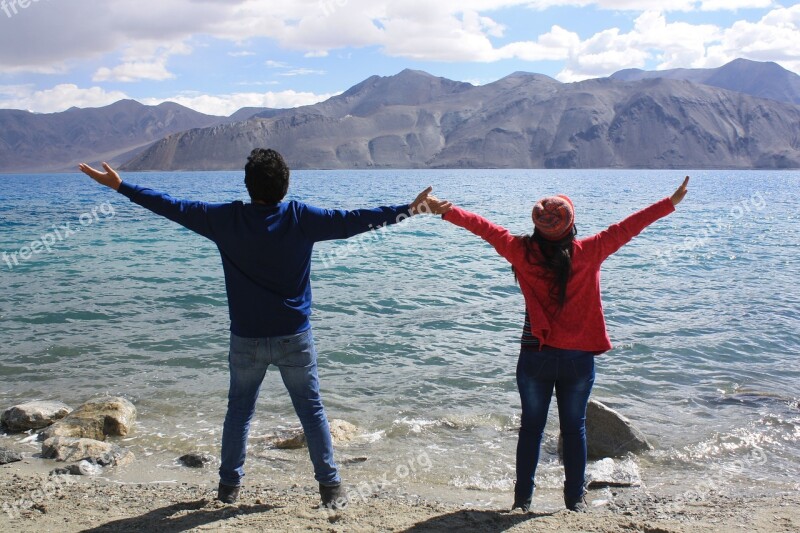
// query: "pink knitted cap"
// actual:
[[554, 217]]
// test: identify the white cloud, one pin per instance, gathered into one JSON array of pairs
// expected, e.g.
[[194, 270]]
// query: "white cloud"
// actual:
[[301, 72], [243, 53], [145, 34], [289, 70], [128, 72], [619, 5], [556, 45], [58, 34], [776, 37], [225, 105], [671, 44], [258, 83], [655, 5], [64, 96], [733, 5], [145, 60], [59, 98]]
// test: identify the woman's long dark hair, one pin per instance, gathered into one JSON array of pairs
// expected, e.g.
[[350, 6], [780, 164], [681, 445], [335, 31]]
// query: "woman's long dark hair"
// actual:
[[555, 258]]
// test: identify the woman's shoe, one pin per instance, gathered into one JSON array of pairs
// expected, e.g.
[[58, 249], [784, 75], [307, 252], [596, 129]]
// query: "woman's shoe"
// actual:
[[579, 506], [522, 503], [524, 507]]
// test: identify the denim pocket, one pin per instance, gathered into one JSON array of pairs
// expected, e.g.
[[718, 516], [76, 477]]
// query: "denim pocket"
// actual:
[[242, 352], [297, 350], [531, 364], [583, 367]]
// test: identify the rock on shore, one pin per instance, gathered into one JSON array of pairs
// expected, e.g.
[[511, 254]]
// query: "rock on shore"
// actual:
[[75, 449], [608, 473], [609, 434], [95, 419], [195, 460], [7, 456], [34, 415], [342, 432]]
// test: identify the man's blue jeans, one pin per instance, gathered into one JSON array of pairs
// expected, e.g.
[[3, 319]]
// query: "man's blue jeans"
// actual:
[[296, 358], [571, 373]]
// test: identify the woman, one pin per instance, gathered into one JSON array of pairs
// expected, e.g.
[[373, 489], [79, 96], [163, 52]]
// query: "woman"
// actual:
[[564, 324]]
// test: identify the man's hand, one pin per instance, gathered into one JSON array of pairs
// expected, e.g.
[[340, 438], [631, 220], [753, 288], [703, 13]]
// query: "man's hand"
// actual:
[[109, 178], [678, 195], [426, 203]]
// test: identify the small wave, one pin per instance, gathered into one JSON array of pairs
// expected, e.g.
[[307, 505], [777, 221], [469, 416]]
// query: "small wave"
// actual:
[[460, 423], [371, 438], [478, 482], [750, 445]]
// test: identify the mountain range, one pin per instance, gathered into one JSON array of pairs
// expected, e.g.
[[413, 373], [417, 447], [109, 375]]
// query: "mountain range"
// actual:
[[744, 115]]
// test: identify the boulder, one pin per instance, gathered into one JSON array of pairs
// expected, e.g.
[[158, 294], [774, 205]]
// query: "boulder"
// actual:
[[74, 449], [83, 468], [33, 415], [288, 439], [94, 451], [116, 457], [95, 419], [351, 460], [610, 473], [195, 460], [609, 434], [7, 456], [342, 432]]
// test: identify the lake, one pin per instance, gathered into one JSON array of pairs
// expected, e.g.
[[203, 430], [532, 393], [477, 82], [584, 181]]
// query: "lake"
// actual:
[[417, 326]]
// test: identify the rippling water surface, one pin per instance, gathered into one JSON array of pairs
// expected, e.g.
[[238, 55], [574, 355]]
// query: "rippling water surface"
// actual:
[[417, 326]]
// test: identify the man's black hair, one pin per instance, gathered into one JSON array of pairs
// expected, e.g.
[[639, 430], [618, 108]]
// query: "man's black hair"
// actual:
[[266, 176]]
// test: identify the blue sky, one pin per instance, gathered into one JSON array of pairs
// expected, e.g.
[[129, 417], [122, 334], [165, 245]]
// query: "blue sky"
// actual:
[[217, 56]]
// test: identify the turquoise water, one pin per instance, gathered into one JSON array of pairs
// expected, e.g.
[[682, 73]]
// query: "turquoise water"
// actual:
[[417, 326]]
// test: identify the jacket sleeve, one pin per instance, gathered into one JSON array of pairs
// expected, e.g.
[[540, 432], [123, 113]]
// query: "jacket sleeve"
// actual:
[[191, 215], [608, 241], [329, 224], [506, 244]]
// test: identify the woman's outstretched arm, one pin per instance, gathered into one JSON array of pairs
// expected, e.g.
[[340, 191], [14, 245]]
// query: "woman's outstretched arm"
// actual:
[[506, 244], [618, 235]]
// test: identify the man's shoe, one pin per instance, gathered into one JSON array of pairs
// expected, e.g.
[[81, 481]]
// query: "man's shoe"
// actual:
[[227, 493], [333, 496]]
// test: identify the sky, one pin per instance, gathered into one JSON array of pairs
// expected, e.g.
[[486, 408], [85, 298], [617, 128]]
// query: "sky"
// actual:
[[217, 56]]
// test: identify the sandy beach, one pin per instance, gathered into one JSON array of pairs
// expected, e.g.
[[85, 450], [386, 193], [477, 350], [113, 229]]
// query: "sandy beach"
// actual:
[[35, 502]]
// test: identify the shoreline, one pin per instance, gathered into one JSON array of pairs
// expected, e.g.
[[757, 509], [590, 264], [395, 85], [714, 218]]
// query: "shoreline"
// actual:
[[146, 497]]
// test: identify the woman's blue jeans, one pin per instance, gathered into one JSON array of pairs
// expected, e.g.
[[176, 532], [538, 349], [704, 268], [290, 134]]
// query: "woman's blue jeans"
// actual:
[[296, 358], [571, 374]]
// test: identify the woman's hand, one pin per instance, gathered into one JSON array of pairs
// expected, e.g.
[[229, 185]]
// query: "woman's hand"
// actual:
[[426, 203], [678, 195], [109, 178]]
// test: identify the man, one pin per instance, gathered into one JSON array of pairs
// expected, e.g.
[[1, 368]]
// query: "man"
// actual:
[[266, 251]]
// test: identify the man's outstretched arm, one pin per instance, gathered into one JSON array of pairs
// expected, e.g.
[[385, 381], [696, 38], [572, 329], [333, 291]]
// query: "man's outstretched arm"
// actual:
[[109, 178], [329, 224], [191, 215]]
